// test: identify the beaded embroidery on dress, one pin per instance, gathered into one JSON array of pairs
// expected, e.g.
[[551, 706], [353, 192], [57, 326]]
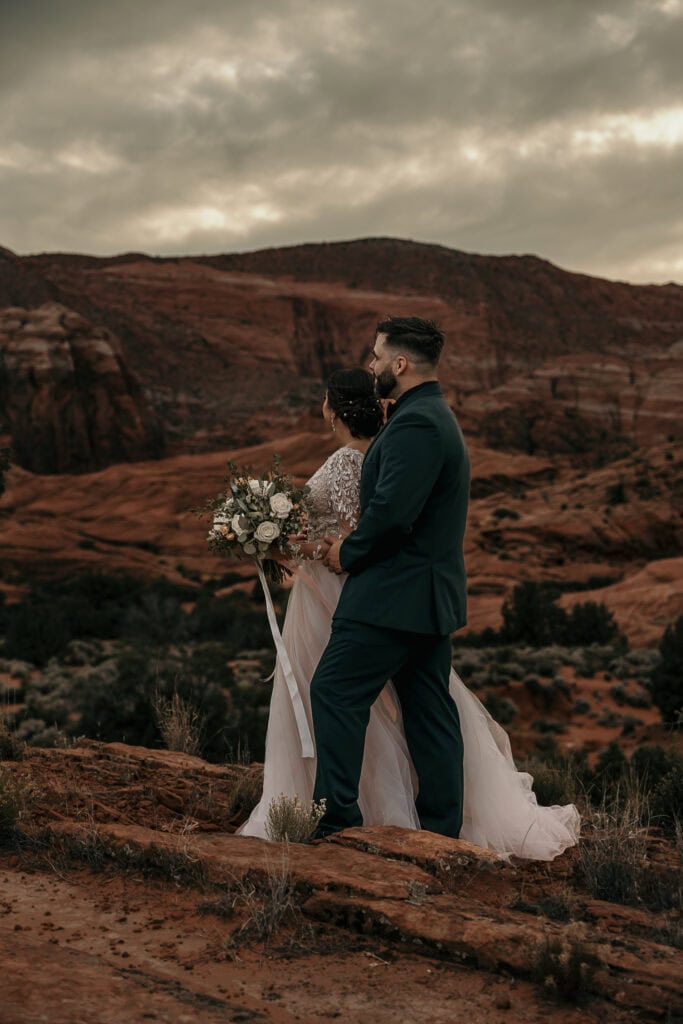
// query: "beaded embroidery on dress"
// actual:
[[334, 494], [500, 812]]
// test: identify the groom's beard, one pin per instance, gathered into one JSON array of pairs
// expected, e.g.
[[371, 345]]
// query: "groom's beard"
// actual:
[[385, 384]]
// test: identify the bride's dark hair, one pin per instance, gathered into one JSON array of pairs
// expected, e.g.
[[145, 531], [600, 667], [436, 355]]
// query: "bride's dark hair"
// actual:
[[351, 397]]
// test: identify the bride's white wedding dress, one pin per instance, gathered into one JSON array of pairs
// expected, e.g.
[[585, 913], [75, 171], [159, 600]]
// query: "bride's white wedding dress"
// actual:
[[500, 812]]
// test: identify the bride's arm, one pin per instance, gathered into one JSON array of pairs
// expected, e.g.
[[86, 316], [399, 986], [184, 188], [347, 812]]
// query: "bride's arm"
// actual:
[[308, 549]]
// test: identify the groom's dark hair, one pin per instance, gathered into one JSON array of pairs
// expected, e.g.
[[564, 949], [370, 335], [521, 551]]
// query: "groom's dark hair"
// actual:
[[421, 339]]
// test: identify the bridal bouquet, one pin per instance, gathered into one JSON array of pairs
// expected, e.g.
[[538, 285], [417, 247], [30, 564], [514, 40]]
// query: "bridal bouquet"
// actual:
[[255, 517]]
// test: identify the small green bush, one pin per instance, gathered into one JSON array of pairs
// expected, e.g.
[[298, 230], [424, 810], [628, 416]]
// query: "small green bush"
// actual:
[[667, 800], [15, 797], [502, 709], [666, 680]]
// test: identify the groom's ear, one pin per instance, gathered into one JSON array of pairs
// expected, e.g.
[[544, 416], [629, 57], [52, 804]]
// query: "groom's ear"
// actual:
[[401, 365]]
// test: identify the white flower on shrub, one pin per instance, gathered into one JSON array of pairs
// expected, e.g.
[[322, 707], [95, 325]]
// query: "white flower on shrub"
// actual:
[[258, 487], [281, 505], [267, 532]]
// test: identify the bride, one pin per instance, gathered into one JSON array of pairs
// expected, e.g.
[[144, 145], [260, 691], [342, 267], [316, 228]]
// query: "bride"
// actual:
[[500, 809]]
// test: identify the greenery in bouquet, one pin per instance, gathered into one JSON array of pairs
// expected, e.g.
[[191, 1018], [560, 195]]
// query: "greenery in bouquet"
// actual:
[[257, 515]]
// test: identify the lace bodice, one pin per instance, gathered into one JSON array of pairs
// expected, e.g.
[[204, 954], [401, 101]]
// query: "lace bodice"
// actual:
[[335, 493]]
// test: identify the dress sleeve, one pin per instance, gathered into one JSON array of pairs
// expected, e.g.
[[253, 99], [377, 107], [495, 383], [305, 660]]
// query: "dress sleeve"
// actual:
[[343, 483]]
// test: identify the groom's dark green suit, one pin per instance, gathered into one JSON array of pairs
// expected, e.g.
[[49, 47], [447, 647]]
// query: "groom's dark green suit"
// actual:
[[406, 592]]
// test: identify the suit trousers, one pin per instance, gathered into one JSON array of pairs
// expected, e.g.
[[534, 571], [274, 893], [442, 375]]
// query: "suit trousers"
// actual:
[[357, 663]]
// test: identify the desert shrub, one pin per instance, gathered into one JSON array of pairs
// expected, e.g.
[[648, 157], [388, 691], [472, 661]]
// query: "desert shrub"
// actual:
[[650, 763], [565, 968], [11, 747], [667, 800], [505, 513], [290, 820], [549, 725], [666, 679], [629, 724], [546, 693], [467, 667], [611, 766], [269, 903], [247, 791], [530, 615], [552, 783], [590, 623], [90, 605], [115, 701], [613, 856], [581, 706], [512, 670], [616, 494], [609, 719], [15, 797], [634, 663], [232, 620], [502, 709], [179, 723], [638, 699], [618, 693], [496, 676]]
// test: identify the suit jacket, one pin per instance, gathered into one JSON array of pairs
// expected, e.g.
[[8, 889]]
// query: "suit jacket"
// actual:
[[405, 558]]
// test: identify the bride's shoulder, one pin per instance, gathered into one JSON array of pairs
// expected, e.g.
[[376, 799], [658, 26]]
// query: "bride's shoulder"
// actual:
[[343, 458]]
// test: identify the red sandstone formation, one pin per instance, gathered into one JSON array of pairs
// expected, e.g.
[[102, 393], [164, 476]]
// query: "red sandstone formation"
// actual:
[[538, 359], [67, 399]]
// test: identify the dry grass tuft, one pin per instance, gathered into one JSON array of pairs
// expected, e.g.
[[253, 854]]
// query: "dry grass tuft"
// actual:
[[16, 796], [270, 904], [247, 792], [179, 724], [613, 854], [11, 748], [290, 820], [268, 901], [565, 967]]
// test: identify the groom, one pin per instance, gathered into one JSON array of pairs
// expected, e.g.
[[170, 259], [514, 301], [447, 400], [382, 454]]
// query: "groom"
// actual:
[[406, 590]]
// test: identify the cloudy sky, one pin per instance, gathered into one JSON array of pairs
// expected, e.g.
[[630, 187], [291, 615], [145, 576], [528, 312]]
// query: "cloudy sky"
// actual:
[[495, 126]]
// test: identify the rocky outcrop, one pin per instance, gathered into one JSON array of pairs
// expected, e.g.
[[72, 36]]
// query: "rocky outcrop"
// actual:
[[537, 358], [444, 901], [67, 399], [21, 284], [585, 404]]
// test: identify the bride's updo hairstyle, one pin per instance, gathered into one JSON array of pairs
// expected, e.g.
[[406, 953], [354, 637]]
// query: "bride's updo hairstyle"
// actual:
[[351, 397]]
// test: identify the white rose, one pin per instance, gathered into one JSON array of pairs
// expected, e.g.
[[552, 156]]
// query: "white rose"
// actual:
[[267, 532], [257, 487], [281, 505]]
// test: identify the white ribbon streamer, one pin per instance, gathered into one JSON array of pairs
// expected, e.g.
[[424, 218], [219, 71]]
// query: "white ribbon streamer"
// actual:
[[307, 748]]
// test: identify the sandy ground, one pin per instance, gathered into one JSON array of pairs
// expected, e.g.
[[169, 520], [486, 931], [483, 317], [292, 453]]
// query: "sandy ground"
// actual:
[[86, 948]]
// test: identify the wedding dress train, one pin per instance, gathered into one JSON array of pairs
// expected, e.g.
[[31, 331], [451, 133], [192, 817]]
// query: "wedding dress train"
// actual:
[[500, 808]]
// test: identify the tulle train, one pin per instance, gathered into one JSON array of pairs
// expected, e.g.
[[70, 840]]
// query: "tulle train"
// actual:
[[500, 812]]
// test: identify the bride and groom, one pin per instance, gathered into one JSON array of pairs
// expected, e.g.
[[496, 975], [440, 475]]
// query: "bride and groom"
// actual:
[[380, 586]]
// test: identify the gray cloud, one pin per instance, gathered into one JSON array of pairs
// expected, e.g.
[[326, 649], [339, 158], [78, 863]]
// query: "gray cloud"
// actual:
[[489, 125]]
